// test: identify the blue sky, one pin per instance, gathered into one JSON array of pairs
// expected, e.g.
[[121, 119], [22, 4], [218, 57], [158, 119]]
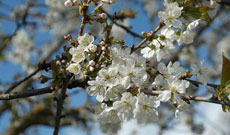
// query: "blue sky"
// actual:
[[8, 69]]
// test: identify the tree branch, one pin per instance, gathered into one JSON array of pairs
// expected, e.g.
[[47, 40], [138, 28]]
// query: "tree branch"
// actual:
[[121, 26], [193, 98], [60, 100], [40, 67], [28, 93]]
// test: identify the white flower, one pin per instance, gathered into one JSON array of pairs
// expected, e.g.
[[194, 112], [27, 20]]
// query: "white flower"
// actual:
[[157, 48], [193, 24], [119, 52], [171, 70], [159, 83], [85, 40], [182, 105], [92, 48], [109, 115], [125, 106], [187, 35], [139, 60], [171, 13], [74, 68], [109, 76], [178, 86], [114, 93], [96, 88], [78, 54], [132, 74], [145, 109], [202, 72]]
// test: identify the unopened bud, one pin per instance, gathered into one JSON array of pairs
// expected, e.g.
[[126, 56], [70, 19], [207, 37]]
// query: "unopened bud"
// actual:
[[103, 16], [91, 69], [103, 48], [68, 3], [97, 66], [92, 63], [92, 48], [76, 2]]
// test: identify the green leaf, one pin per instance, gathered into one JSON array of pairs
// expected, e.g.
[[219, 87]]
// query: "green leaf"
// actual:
[[197, 13], [225, 74]]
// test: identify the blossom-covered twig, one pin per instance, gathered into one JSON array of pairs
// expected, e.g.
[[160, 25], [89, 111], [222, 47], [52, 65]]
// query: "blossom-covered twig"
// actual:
[[149, 37], [194, 98]]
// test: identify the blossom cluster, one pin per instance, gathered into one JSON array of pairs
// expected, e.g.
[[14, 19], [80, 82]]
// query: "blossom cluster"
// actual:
[[174, 30], [124, 83]]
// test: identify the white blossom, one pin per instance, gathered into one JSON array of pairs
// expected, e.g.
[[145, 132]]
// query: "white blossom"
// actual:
[[114, 93], [85, 40], [78, 54], [172, 69], [157, 48], [171, 13], [92, 48], [145, 111], [202, 72], [74, 68], [132, 74], [174, 86], [97, 88], [108, 115], [125, 106]]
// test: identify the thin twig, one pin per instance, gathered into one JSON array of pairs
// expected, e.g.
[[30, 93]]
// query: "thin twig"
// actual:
[[199, 83], [16, 84], [149, 37], [122, 26], [194, 98]]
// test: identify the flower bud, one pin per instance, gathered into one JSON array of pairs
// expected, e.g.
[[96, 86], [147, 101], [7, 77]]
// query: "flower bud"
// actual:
[[76, 2], [92, 48], [91, 69], [68, 3], [92, 63], [97, 66], [103, 16], [103, 48]]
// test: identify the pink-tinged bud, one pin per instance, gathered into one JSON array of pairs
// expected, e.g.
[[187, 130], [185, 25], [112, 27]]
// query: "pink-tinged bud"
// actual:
[[68, 3], [92, 63], [97, 66], [76, 2], [92, 48], [103, 48], [102, 43], [103, 16], [91, 69]]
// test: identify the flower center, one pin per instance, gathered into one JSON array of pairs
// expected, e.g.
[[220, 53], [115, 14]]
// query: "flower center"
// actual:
[[170, 18], [145, 107]]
